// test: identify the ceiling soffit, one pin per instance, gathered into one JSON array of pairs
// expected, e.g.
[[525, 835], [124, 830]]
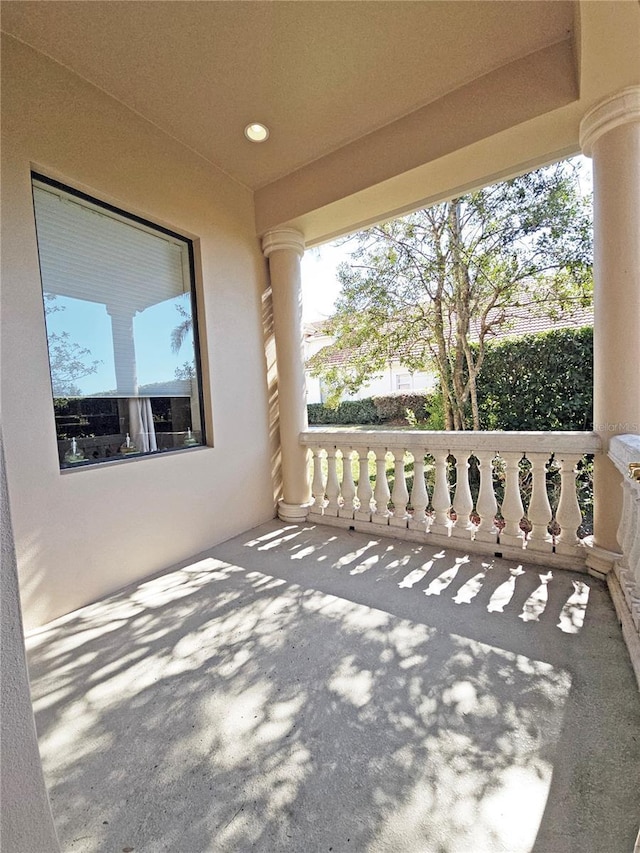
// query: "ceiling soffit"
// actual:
[[605, 60], [374, 108], [509, 96], [320, 75]]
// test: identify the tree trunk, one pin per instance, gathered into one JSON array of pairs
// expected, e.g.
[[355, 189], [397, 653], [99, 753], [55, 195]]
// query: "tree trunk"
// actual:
[[473, 394], [461, 294]]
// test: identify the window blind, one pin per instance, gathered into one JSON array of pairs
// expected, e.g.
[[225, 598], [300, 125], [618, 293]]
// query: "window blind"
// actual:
[[90, 255]]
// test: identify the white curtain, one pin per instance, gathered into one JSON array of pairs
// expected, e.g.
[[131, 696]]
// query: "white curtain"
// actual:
[[141, 429]]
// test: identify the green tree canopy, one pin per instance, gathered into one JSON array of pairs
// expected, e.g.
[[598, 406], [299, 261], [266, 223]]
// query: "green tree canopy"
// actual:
[[424, 287]]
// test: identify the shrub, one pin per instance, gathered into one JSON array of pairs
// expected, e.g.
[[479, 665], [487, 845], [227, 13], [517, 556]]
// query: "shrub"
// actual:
[[348, 412], [371, 410], [393, 407], [542, 381], [434, 409]]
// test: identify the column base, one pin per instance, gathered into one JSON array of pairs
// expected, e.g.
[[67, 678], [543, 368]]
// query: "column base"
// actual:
[[511, 541], [542, 546], [345, 513], [599, 560], [293, 512], [488, 536], [464, 533]]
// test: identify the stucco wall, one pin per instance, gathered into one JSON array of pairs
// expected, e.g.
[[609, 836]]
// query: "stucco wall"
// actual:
[[26, 824], [83, 533]]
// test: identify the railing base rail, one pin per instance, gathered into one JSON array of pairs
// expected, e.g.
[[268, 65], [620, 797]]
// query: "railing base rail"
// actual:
[[552, 560]]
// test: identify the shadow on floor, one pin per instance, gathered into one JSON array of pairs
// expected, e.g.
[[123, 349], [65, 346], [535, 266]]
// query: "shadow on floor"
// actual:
[[305, 689]]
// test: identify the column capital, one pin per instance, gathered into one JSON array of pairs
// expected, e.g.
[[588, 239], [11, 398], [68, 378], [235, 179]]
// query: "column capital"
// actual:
[[283, 238], [621, 108]]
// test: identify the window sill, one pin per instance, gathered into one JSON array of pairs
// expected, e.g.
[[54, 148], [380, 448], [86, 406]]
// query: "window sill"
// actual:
[[91, 465]]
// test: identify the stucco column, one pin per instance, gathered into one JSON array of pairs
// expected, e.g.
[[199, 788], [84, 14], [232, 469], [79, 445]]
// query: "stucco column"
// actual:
[[284, 248], [124, 348], [610, 135]]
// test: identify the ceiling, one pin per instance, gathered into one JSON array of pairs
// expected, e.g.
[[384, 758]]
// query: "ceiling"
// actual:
[[321, 75]]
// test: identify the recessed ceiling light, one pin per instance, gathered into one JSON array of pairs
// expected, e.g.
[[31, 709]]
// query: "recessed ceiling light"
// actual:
[[256, 132]]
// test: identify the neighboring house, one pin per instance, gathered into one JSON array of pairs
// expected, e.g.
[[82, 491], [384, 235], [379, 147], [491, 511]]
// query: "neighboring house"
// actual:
[[129, 117], [398, 377]]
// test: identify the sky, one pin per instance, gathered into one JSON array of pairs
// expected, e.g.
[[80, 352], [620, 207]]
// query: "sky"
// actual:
[[89, 327], [320, 286]]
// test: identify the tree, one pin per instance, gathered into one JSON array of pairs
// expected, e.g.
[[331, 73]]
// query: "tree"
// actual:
[[68, 364], [433, 287], [67, 359], [186, 371], [182, 330]]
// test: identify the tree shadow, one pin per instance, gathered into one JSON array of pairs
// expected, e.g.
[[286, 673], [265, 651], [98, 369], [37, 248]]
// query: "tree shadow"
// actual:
[[264, 697]]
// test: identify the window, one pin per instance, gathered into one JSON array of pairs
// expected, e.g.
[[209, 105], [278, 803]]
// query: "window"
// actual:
[[121, 329], [403, 382]]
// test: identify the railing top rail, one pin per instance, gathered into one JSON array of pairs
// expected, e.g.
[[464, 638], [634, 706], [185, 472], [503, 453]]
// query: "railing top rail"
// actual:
[[543, 442], [624, 449]]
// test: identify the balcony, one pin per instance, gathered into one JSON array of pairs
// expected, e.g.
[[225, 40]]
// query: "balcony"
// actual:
[[295, 688], [467, 520], [305, 687], [544, 469]]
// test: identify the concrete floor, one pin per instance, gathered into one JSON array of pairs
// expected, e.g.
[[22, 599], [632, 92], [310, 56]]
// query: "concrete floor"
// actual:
[[295, 689]]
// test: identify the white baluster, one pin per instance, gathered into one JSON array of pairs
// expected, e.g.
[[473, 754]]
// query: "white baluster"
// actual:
[[317, 484], [512, 509], [348, 486], [462, 500], [633, 593], [381, 492], [400, 495], [364, 493], [626, 536], [627, 523], [633, 581], [441, 501], [419, 493], [487, 506], [539, 508], [333, 486], [568, 514]]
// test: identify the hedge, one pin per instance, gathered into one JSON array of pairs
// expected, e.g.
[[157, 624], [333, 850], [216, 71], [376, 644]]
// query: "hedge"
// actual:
[[371, 410], [349, 412], [542, 381], [393, 407]]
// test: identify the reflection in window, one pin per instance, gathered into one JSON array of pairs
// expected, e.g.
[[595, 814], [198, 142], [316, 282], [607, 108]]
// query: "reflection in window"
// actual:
[[120, 317]]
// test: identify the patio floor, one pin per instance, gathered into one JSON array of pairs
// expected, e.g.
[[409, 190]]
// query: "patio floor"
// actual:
[[295, 689]]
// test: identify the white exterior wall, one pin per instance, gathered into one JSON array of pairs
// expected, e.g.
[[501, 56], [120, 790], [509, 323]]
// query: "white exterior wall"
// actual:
[[314, 391], [81, 534], [387, 382], [380, 385]]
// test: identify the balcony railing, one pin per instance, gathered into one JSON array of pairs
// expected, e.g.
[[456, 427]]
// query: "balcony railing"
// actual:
[[624, 451], [502, 493]]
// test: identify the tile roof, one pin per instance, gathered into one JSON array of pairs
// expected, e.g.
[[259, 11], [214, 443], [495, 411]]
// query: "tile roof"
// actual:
[[520, 322]]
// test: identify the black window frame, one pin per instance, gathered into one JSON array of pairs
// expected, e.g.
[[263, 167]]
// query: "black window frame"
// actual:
[[153, 226]]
